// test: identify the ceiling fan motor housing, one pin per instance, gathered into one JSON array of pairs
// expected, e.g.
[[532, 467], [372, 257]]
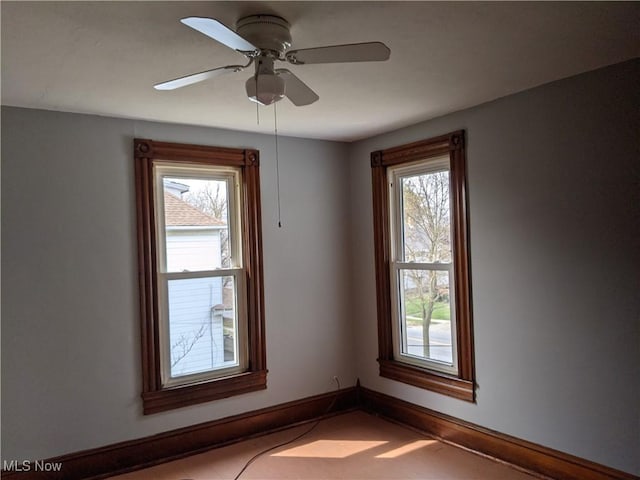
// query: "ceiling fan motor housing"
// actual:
[[267, 32]]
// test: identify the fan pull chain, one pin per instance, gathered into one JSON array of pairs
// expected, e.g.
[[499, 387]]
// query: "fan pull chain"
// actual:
[[275, 127], [257, 104]]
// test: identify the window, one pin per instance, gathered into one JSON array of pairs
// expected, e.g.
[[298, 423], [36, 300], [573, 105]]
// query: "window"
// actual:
[[422, 267], [199, 247]]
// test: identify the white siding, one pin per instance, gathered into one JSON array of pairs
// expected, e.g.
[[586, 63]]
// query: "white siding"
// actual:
[[196, 341], [196, 336], [193, 250]]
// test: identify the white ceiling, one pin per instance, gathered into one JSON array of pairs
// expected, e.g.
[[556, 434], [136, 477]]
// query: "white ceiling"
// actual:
[[104, 57]]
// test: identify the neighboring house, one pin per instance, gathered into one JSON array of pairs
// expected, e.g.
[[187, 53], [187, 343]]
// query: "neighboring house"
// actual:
[[197, 305]]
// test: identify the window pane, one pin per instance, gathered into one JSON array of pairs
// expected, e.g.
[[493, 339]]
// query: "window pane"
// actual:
[[196, 224], [426, 223], [202, 325], [426, 326]]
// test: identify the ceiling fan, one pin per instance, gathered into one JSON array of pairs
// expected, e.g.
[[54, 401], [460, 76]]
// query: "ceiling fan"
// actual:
[[265, 39]]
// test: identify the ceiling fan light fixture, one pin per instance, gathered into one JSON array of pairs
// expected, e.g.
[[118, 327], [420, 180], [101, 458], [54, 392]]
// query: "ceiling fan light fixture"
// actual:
[[265, 88], [264, 40]]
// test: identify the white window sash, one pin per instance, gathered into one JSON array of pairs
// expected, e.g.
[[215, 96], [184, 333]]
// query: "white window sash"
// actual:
[[394, 176], [241, 342], [218, 272], [232, 176], [424, 266], [397, 307]]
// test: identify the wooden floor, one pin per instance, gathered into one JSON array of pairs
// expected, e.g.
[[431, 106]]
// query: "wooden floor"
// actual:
[[353, 445]]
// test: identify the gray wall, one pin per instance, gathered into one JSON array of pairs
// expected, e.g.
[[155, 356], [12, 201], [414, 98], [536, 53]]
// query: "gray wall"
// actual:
[[71, 375], [553, 188], [555, 257]]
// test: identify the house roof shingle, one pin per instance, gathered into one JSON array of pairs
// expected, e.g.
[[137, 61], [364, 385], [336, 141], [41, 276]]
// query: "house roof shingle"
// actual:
[[179, 213]]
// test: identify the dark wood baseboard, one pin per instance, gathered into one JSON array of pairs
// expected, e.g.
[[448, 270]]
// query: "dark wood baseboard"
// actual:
[[525, 455], [144, 452], [131, 455]]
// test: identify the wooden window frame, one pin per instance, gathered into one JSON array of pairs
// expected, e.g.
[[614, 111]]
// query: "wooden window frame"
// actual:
[[155, 396], [461, 385]]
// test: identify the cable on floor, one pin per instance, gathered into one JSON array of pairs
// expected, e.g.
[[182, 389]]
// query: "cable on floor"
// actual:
[[288, 442]]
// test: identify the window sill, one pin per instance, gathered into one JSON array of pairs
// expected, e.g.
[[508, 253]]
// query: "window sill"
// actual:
[[428, 379], [185, 395]]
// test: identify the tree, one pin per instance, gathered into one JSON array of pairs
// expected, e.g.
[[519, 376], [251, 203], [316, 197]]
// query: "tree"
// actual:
[[183, 345], [212, 200], [427, 228]]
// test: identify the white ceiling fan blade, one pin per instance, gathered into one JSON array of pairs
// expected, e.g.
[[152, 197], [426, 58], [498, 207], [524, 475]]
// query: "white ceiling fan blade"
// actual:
[[296, 90], [354, 52], [223, 34], [197, 77]]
